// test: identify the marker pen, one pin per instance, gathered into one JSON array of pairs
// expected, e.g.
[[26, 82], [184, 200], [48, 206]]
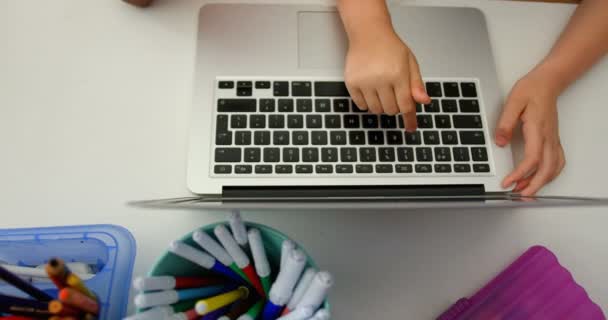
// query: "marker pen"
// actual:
[[215, 249], [202, 259], [260, 260], [238, 228], [157, 313], [298, 314], [170, 282], [160, 298], [300, 289], [282, 289], [317, 291], [322, 314], [208, 305], [286, 247]]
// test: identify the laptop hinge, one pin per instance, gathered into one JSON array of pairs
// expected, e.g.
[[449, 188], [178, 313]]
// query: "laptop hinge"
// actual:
[[351, 192]]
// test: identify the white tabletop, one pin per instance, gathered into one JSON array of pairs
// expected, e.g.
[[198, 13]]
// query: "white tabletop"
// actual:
[[94, 105]]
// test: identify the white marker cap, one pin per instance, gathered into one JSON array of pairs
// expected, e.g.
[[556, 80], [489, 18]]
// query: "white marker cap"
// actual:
[[239, 256], [282, 289], [317, 291], [303, 284], [158, 313], [223, 318], [286, 248], [245, 317], [153, 299], [189, 253], [322, 314], [238, 228], [177, 316], [215, 249], [154, 283], [260, 260], [298, 314]]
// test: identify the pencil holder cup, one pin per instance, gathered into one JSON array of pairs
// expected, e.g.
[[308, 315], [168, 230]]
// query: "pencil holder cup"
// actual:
[[171, 265]]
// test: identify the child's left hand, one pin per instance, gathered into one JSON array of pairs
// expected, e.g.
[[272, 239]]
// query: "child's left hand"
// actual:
[[533, 100]]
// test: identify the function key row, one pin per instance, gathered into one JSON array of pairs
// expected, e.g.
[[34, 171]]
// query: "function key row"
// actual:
[[349, 168], [451, 89], [287, 88]]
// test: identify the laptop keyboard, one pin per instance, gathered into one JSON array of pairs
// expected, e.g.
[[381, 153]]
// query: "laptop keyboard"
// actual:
[[308, 127]]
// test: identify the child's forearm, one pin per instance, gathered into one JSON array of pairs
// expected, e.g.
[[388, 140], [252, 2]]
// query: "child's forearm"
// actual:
[[580, 46], [364, 18]]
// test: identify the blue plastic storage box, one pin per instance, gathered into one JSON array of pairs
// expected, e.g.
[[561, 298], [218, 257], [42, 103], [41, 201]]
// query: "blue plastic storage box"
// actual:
[[109, 249]]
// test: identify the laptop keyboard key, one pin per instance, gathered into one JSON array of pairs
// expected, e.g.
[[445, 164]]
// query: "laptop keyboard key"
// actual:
[[322, 105], [324, 169], [257, 121], [243, 169], [319, 138], [281, 88], [375, 137], [304, 105], [413, 138], [330, 89], [238, 121], [310, 155], [449, 105], [222, 123], [443, 121], [432, 107], [424, 168], [472, 137], [384, 168], [242, 138], [276, 121], [449, 137], [425, 121], [451, 89], [469, 106], [329, 154], [386, 154], [262, 84], [461, 154], [291, 155], [295, 121], [314, 121], [433, 89], [351, 121], [443, 154], [479, 154], [356, 137], [300, 138], [338, 137], [468, 89], [332, 121], [285, 105], [443, 168], [367, 154], [267, 105], [341, 105], [481, 167], [261, 138], [462, 167], [370, 121], [253, 154], [404, 168], [301, 89], [304, 168], [344, 168], [405, 154], [272, 155], [424, 154], [348, 154], [226, 84], [364, 168], [263, 169], [236, 105], [394, 137], [280, 138], [227, 155], [223, 138], [431, 137], [467, 122], [283, 169], [388, 122], [222, 169]]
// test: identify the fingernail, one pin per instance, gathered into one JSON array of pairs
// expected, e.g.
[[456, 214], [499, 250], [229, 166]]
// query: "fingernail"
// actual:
[[501, 140]]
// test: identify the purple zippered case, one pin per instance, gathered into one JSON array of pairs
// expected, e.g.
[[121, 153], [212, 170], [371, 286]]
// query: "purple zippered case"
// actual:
[[534, 287]]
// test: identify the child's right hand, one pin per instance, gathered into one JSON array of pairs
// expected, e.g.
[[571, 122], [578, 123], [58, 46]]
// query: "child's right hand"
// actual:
[[382, 75]]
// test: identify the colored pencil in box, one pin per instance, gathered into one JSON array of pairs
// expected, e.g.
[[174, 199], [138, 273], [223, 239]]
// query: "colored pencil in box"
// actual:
[[24, 286], [159, 298], [78, 300], [240, 257], [202, 259], [169, 282], [217, 251], [62, 277], [23, 307], [59, 308]]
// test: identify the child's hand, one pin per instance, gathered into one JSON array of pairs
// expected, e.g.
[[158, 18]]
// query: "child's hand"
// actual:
[[382, 76], [533, 101]]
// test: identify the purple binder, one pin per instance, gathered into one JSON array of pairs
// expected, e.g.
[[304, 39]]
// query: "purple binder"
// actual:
[[534, 287]]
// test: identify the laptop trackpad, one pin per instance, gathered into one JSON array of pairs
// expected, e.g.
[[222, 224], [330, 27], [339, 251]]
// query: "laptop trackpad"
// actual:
[[322, 41]]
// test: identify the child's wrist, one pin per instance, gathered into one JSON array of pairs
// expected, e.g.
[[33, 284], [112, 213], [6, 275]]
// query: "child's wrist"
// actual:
[[555, 78], [370, 33]]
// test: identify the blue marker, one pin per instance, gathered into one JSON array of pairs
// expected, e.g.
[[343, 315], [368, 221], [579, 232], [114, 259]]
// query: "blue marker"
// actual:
[[282, 289], [161, 298], [202, 259]]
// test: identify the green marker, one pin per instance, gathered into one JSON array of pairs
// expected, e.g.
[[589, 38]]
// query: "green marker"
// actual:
[[254, 312], [262, 267], [216, 250]]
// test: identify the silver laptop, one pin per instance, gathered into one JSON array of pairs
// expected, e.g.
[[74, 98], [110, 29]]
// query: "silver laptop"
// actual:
[[273, 123]]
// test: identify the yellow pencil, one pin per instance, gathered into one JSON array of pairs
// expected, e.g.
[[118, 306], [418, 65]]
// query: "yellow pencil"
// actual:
[[205, 306], [74, 282]]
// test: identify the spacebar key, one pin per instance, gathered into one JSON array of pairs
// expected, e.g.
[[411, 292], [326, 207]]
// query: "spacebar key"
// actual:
[[330, 89], [236, 105]]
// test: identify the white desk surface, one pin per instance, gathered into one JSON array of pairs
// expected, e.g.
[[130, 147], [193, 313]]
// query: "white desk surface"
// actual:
[[94, 105]]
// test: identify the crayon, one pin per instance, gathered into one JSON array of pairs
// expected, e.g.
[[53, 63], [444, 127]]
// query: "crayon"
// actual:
[[24, 286], [78, 300], [208, 305]]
